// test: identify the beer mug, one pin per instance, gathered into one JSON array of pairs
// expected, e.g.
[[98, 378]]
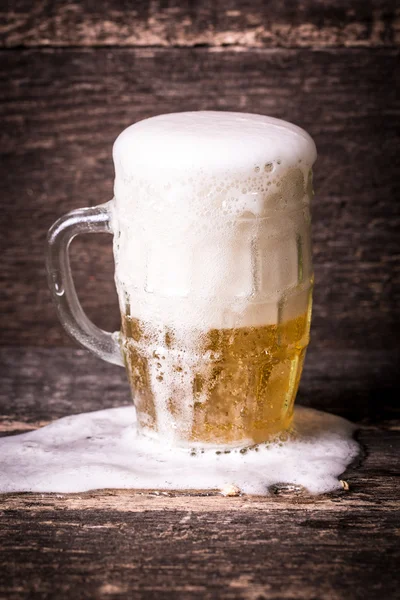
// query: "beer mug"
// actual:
[[211, 226]]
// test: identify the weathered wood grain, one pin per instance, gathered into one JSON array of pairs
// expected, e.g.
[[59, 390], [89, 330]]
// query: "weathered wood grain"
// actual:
[[61, 111], [247, 23], [248, 551], [147, 544]]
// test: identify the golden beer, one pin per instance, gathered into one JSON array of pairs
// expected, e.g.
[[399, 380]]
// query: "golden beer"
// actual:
[[238, 384]]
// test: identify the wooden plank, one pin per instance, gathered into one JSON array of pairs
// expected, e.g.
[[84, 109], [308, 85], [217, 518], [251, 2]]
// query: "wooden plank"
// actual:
[[167, 553], [146, 544], [61, 111], [327, 23], [42, 384]]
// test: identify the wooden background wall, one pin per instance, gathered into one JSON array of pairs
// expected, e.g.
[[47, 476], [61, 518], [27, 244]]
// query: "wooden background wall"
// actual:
[[74, 74]]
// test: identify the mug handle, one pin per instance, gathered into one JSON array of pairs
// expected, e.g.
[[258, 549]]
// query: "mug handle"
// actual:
[[96, 219]]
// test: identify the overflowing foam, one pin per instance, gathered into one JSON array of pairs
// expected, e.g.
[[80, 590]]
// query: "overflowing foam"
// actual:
[[103, 450], [211, 219], [212, 141]]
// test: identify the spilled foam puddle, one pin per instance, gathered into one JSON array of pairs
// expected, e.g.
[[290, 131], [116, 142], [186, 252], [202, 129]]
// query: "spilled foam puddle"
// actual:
[[103, 450]]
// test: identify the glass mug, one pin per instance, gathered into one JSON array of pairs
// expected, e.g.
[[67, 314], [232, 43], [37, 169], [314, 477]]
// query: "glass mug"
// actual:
[[211, 225]]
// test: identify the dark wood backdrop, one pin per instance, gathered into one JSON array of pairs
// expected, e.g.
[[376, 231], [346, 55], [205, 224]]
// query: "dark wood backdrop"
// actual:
[[74, 74]]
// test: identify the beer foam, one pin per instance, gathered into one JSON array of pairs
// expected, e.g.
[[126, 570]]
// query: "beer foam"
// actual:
[[211, 219], [215, 141], [103, 449]]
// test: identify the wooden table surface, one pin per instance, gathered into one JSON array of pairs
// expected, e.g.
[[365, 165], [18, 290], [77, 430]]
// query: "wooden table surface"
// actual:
[[147, 544]]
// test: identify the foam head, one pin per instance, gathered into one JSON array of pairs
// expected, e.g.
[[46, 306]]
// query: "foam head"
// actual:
[[211, 141], [204, 217]]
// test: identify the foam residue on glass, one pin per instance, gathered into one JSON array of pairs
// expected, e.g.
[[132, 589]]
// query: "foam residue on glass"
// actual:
[[102, 449], [233, 190]]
